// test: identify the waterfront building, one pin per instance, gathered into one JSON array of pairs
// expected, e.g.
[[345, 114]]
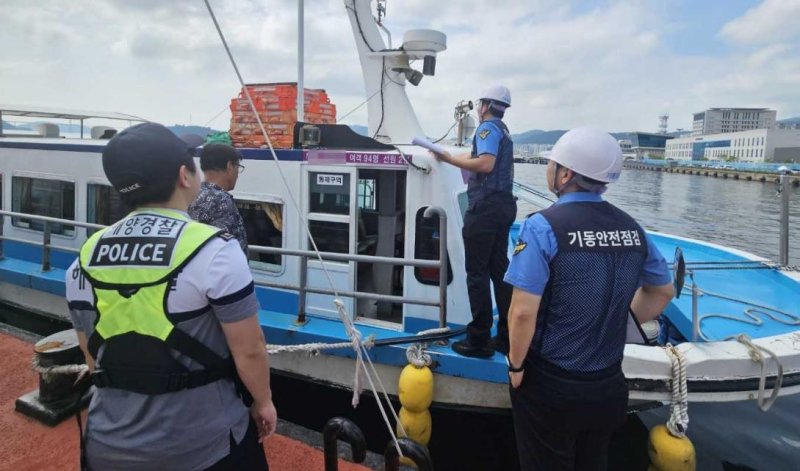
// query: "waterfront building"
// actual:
[[643, 145], [756, 145], [532, 150], [725, 120]]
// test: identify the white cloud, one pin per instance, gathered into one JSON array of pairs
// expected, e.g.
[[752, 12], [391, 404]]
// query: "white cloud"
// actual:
[[771, 20], [566, 65]]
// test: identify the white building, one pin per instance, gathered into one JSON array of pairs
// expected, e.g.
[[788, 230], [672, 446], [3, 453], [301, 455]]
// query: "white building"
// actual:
[[757, 145], [532, 150], [724, 120]]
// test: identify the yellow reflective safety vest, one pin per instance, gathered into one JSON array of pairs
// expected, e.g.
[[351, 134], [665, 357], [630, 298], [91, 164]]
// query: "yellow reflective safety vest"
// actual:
[[132, 266]]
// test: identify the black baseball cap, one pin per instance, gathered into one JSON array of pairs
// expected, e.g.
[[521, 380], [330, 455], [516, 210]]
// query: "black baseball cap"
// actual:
[[140, 155]]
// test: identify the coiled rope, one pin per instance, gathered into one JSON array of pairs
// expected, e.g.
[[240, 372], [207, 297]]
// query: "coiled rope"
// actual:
[[678, 421]]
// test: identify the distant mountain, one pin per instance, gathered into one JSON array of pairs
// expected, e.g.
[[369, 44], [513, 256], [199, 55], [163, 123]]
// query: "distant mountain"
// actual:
[[537, 136], [9, 126], [795, 120], [363, 130], [180, 129]]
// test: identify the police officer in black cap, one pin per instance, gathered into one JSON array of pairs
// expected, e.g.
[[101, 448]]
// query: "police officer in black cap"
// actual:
[[166, 315]]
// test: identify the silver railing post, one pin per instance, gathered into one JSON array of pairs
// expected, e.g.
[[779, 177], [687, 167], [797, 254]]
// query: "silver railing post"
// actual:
[[2, 223], [46, 247], [784, 240], [695, 313], [301, 303], [442, 261]]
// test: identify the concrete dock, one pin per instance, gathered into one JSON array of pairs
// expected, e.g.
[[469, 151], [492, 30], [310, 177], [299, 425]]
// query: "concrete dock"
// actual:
[[27, 445], [714, 172]]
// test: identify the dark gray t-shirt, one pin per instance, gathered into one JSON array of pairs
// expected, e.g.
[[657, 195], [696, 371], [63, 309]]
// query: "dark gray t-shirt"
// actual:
[[188, 429]]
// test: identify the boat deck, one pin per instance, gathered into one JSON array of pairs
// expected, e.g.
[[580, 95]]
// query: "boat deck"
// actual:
[[28, 445], [738, 294]]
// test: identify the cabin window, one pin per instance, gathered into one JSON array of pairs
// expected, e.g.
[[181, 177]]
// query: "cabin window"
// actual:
[[366, 193], [330, 236], [42, 197], [426, 247], [330, 193], [103, 206], [263, 224]]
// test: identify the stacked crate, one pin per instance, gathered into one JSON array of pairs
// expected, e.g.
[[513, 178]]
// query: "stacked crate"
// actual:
[[276, 105]]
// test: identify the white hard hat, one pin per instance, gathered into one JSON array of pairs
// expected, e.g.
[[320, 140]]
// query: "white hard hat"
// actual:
[[590, 152], [498, 93]]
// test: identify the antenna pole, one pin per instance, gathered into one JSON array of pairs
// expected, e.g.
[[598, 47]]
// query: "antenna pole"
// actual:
[[301, 93]]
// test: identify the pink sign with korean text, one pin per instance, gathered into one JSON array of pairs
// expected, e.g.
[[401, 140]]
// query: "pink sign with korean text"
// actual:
[[329, 157]]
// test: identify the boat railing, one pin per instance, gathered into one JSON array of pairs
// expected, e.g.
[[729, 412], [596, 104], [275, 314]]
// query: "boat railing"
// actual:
[[302, 288], [532, 195], [47, 226]]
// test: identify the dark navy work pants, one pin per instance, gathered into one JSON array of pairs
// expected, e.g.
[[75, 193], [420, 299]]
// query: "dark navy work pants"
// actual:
[[485, 232], [247, 455], [565, 423]]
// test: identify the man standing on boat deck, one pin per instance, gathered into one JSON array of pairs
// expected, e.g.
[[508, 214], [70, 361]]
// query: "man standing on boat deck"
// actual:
[[579, 268], [166, 316], [221, 165], [490, 213]]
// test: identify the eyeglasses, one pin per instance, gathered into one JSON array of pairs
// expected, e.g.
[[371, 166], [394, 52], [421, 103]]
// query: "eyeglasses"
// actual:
[[241, 167]]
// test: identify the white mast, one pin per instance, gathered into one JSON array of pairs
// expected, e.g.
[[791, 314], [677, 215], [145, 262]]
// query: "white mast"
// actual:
[[391, 117]]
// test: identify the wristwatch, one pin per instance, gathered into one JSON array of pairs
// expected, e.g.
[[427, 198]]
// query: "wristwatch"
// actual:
[[514, 369]]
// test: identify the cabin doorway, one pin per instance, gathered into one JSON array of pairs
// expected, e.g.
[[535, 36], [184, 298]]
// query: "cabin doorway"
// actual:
[[380, 231], [330, 214]]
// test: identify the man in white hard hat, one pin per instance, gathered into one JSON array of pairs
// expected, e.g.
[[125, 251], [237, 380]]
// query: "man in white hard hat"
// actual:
[[579, 269], [491, 211]]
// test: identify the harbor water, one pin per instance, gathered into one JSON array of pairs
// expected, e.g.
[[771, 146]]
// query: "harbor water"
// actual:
[[733, 213]]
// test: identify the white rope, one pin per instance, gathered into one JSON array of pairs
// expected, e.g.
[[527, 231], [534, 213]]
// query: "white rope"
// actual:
[[58, 369], [313, 349], [437, 330], [353, 334], [361, 352], [755, 354], [415, 354], [678, 421]]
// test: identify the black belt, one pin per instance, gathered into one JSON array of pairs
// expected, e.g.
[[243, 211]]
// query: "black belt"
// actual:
[[152, 383], [546, 366]]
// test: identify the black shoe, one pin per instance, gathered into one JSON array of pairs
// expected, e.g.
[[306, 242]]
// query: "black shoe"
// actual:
[[469, 349], [499, 344]]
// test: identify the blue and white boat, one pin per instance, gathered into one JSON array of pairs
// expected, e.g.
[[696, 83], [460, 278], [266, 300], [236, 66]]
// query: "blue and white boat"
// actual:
[[364, 201]]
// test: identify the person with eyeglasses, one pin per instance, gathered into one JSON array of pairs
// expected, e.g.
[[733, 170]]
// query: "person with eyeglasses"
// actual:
[[214, 205]]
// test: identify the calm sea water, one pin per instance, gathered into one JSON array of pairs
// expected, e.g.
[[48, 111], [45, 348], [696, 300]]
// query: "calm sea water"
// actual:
[[744, 215], [738, 214]]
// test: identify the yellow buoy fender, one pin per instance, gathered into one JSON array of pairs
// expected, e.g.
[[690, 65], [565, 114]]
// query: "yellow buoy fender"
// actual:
[[416, 424], [669, 453], [415, 388]]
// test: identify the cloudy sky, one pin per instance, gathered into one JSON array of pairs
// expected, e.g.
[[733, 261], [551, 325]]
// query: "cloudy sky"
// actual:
[[616, 64]]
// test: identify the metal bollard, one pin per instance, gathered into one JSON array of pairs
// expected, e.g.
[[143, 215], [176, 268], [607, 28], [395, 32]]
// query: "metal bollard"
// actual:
[[411, 450], [59, 395], [339, 427]]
